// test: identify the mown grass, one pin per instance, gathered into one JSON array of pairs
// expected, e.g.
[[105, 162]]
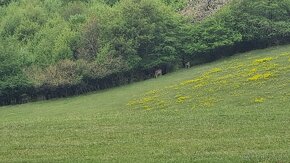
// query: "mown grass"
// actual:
[[233, 110]]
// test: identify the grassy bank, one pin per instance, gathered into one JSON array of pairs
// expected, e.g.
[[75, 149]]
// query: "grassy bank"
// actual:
[[232, 110]]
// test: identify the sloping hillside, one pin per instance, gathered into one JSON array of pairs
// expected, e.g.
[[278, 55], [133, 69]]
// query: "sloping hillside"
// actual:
[[233, 110], [247, 81]]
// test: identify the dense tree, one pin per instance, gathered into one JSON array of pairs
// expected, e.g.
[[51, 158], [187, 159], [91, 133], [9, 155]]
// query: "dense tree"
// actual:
[[146, 33], [261, 19], [89, 42], [56, 48], [177, 4], [4, 2]]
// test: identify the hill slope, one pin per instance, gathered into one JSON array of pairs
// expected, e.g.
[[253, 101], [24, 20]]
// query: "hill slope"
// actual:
[[233, 110]]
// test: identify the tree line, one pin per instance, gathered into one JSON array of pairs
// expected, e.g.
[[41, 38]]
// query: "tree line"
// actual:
[[58, 48]]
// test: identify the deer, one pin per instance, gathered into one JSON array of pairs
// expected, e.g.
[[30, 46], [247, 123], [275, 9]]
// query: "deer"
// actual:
[[158, 73], [187, 65]]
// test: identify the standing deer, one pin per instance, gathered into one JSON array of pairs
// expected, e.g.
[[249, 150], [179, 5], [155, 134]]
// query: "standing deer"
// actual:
[[187, 65], [158, 73]]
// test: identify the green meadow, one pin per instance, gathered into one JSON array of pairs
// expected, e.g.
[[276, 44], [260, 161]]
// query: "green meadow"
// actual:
[[233, 110]]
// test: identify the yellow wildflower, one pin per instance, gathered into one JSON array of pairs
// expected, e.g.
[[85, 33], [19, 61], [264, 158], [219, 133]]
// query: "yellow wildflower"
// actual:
[[190, 81], [214, 70], [259, 100], [266, 75], [263, 60], [181, 99]]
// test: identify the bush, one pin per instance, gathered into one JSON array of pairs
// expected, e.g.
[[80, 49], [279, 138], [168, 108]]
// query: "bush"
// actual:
[[53, 48]]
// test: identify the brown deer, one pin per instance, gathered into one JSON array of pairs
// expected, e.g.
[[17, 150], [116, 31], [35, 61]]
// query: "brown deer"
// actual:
[[187, 65], [158, 73]]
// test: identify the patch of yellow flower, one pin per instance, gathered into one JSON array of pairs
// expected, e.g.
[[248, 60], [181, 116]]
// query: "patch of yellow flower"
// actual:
[[141, 101], [226, 77], [181, 99], [267, 75], [161, 103], [146, 100], [131, 103], [254, 70], [285, 54], [147, 107], [198, 86], [186, 82], [256, 77], [214, 70], [263, 60], [259, 100]]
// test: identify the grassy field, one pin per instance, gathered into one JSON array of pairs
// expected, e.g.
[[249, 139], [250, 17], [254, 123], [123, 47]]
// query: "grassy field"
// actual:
[[233, 110]]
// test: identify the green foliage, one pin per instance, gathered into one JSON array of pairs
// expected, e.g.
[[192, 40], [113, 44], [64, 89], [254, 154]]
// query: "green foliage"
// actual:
[[212, 34], [52, 42], [72, 9], [89, 41], [111, 2], [146, 33], [12, 79], [259, 22], [4, 2], [9, 60], [134, 37], [176, 4], [262, 19]]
